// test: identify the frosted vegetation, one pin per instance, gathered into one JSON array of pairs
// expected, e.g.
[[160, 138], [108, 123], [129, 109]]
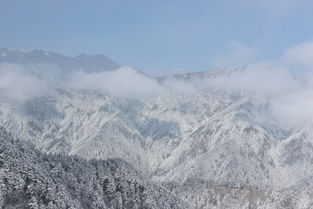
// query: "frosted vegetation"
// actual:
[[30, 179], [232, 138]]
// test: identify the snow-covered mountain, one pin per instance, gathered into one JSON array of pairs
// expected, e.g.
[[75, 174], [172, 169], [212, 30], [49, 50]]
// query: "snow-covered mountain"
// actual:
[[229, 141], [30, 179], [214, 146]]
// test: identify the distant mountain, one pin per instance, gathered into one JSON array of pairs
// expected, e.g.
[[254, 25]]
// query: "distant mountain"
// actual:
[[215, 148], [83, 62], [30, 179], [211, 74]]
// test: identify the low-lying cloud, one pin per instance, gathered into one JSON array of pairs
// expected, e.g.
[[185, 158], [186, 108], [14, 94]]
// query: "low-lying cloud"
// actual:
[[124, 82], [15, 83], [236, 54], [22, 82], [290, 96], [300, 57]]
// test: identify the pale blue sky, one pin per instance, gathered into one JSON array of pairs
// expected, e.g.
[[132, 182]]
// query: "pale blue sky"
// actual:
[[159, 35]]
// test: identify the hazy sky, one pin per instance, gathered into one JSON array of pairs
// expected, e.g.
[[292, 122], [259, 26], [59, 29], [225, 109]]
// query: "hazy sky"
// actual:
[[160, 35]]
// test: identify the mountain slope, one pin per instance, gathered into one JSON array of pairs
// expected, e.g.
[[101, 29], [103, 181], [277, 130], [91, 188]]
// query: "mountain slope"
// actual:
[[224, 137], [30, 179], [214, 135]]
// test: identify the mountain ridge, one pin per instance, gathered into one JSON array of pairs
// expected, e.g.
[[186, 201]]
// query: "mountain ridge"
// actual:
[[197, 129], [86, 63]]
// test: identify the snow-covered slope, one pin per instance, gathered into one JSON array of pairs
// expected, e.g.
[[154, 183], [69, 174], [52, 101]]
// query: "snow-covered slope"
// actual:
[[30, 179], [215, 135], [224, 137]]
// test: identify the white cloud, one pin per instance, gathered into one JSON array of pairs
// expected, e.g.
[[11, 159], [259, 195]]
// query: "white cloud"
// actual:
[[290, 96], [122, 82], [291, 99], [16, 84], [181, 87], [237, 54], [265, 79], [299, 57], [295, 108]]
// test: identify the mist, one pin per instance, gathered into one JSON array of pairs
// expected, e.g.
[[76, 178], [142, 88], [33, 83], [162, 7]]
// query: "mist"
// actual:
[[125, 82], [290, 98], [290, 95], [15, 83]]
